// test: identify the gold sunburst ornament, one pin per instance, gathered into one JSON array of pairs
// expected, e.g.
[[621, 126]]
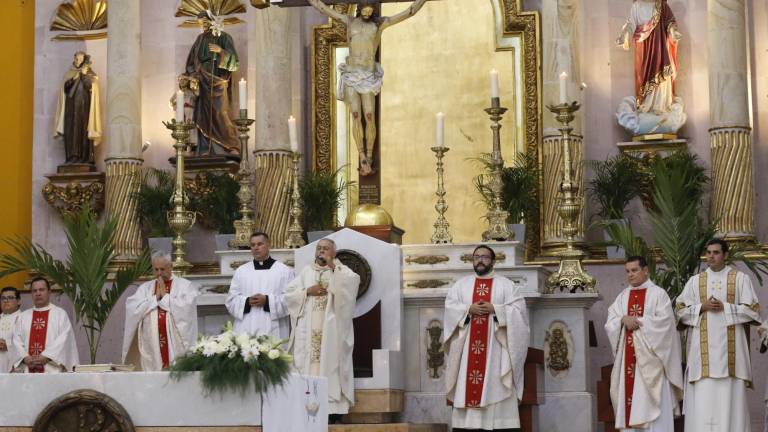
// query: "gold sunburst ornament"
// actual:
[[81, 19], [219, 8]]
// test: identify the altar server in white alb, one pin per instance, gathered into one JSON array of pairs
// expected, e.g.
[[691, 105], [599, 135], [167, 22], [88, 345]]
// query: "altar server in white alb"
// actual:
[[43, 340], [160, 318], [10, 306], [256, 292], [321, 303], [647, 376], [486, 343], [716, 307]]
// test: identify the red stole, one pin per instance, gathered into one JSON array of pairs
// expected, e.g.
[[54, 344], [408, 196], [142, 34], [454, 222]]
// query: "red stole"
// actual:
[[635, 307], [163, 330], [478, 351], [37, 334]]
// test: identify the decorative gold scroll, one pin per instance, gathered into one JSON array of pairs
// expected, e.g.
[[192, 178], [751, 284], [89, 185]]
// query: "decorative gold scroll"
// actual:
[[191, 8], [87, 16]]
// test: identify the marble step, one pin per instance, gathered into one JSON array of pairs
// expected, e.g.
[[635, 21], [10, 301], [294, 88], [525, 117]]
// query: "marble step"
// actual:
[[388, 427]]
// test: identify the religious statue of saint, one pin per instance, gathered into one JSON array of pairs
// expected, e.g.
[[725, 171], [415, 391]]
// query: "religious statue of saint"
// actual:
[[78, 113], [654, 108], [361, 75], [211, 61]]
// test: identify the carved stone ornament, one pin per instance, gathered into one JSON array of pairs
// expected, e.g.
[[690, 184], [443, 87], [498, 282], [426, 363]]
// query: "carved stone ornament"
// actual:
[[359, 265], [435, 353], [83, 410], [68, 199], [428, 283], [558, 349], [426, 259], [500, 257]]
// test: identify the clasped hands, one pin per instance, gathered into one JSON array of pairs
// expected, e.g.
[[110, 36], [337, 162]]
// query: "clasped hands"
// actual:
[[3, 345], [160, 288], [712, 304], [481, 308], [257, 300], [36, 361], [317, 290], [631, 322]]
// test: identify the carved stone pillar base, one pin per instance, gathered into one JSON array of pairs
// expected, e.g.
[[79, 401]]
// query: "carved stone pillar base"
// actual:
[[733, 202], [67, 193], [553, 240], [273, 193], [123, 178]]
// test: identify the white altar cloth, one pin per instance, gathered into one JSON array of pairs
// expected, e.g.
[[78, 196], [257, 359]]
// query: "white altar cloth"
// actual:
[[153, 399]]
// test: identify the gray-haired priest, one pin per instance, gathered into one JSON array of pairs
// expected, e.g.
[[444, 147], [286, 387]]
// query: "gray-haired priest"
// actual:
[[160, 318], [321, 303], [486, 342]]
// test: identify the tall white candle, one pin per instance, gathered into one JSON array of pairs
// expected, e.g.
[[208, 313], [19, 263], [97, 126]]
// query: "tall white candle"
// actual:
[[242, 94], [563, 88], [179, 106], [494, 83], [292, 134], [440, 129]]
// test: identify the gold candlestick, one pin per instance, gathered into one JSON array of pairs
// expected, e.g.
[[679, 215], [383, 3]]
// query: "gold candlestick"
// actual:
[[295, 240], [441, 234], [570, 276], [179, 219], [244, 226], [497, 216]]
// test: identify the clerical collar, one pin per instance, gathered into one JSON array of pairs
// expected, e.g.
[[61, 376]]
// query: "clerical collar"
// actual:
[[725, 269], [263, 265], [485, 276], [42, 309]]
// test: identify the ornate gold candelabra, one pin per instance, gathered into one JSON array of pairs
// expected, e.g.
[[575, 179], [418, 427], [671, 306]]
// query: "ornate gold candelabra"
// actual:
[[244, 226], [295, 240], [570, 276], [497, 216], [441, 234], [179, 219]]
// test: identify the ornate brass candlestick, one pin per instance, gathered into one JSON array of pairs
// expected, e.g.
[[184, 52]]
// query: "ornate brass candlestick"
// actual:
[[180, 219], [570, 276], [497, 216], [244, 225], [441, 234], [295, 240]]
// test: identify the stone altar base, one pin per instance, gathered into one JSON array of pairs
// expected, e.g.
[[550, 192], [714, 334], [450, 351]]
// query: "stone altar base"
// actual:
[[392, 427]]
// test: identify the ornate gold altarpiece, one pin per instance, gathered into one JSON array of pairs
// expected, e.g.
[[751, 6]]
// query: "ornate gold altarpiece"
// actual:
[[406, 122]]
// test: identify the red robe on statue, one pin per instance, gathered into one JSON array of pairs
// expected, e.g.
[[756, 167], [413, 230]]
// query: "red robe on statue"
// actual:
[[655, 51]]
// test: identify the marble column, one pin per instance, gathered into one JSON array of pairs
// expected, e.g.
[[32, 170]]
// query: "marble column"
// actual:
[[730, 134], [123, 152], [561, 21], [269, 45]]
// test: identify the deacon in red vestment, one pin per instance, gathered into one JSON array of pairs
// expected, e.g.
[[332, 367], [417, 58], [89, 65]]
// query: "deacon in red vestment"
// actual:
[[647, 376], [487, 335], [43, 339]]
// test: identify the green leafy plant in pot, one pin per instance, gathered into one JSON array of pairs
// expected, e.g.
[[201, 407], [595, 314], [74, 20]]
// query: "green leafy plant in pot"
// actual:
[[519, 189], [153, 201], [82, 277], [321, 194], [216, 203]]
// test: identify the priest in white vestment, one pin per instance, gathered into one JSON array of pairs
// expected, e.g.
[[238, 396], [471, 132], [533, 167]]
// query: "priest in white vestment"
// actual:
[[647, 376], [43, 340], [715, 307], [321, 304], [255, 297], [160, 318], [10, 306], [486, 344]]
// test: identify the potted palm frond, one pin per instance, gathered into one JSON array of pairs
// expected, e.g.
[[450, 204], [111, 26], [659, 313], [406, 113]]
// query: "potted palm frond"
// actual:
[[615, 182], [217, 205], [519, 189], [82, 277], [153, 201], [321, 194]]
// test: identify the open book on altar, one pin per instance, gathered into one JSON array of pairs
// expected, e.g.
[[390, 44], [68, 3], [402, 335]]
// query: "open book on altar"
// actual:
[[105, 367]]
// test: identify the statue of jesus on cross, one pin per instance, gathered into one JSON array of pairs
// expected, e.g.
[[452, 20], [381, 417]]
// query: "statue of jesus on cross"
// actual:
[[361, 75]]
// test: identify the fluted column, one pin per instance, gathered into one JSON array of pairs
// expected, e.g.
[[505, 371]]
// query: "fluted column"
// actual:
[[269, 45], [730, 134], [123, 153], [561, 23]]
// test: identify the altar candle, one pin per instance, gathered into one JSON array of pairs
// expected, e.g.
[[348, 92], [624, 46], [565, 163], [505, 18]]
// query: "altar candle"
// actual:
[[563, 89], [243, 94], [179, 106], [292, 134], [494, 83], [440, 118]]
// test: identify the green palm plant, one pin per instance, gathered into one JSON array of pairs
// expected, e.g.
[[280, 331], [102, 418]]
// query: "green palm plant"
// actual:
[[216, 203], [153, 201], [615, 182], [83, 276], [321, 194], [519, 186]]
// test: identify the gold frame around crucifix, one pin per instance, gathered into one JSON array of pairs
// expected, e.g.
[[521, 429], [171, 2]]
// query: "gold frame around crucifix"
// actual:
[[515, 23]]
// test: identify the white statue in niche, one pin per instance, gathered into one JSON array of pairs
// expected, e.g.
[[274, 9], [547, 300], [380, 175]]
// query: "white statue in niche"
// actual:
[[655, 109]]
